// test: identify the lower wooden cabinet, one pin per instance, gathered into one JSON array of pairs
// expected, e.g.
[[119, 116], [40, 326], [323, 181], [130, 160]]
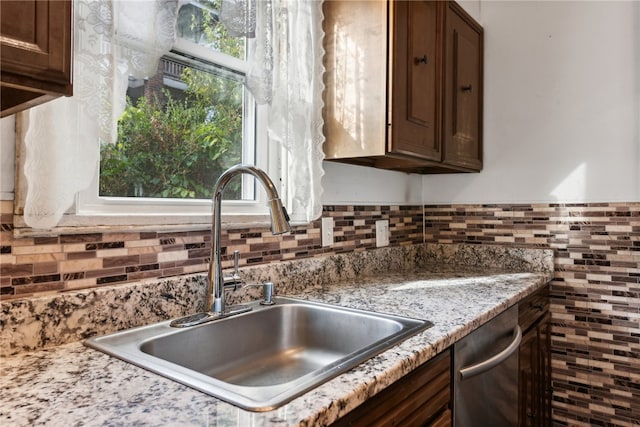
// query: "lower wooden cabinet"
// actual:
[[422, 398], [534, 394], [444, 420]]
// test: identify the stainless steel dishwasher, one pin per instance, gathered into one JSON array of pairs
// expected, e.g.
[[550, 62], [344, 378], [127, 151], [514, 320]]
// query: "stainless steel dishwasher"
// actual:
[[485, 366]]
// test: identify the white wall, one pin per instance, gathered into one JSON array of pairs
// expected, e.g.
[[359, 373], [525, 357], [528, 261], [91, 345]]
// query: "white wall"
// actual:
[[562, 114], [561, 107], [347, 184], [7, 157]]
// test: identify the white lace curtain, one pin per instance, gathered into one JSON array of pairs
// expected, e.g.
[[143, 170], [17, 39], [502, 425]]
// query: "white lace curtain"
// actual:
[[112, 40], [286, 72], [118, 38]]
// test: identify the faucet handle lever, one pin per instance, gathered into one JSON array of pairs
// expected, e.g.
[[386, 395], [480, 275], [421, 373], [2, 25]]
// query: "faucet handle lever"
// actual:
[[234, 280], [236, 262]]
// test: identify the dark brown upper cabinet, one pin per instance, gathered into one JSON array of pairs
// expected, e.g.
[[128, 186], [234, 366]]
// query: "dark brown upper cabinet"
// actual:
[[462, 130], [35, 52], [403, 86], [415, 80]]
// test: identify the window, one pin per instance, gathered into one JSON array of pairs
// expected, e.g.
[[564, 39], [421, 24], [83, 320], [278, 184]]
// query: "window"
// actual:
[[183, 127], [115, 39]]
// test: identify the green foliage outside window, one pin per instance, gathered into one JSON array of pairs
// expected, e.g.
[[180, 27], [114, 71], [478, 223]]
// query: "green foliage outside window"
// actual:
[[177, 144]]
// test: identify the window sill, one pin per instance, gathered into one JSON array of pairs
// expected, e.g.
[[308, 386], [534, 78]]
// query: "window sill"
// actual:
[[78, 224]]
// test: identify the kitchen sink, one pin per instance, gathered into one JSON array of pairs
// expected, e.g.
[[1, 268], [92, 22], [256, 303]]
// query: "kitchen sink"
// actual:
[[266, 357]]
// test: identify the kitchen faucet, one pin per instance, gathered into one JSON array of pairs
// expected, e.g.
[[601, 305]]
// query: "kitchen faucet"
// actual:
[[279, 225]]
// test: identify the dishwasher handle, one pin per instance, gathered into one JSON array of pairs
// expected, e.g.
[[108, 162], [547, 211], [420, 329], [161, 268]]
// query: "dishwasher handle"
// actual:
[[493, 361]]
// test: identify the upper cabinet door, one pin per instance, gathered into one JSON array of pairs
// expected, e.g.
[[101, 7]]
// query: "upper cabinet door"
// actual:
[[355, 95], [415, 94], [462, 132], [403, 85], [35, 52]]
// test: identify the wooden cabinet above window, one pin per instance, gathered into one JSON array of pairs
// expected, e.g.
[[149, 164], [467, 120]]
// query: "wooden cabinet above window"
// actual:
[[35, 52], [404, 86]]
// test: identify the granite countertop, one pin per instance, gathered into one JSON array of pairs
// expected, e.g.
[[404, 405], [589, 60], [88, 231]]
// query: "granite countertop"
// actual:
[[73, 385]]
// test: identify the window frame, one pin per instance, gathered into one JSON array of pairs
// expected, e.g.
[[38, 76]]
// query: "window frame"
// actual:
[[93, 209]]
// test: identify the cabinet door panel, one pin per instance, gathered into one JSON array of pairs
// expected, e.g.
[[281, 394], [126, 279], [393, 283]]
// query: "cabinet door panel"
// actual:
[[465, 79], [356, 78], [421, 70], [528, 377], [463, 96], [544, 403], [421, 398], [534, 388], [416, 71], [40, 50], [15, 30], [35, 52]]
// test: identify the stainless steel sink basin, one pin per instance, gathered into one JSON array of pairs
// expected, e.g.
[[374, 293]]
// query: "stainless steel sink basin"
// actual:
[[262, 359]]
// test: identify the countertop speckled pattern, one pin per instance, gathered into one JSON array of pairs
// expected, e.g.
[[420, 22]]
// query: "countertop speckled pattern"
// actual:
[[74, 385]]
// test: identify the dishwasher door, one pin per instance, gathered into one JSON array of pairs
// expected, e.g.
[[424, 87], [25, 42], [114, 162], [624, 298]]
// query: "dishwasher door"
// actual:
[[486, 374]]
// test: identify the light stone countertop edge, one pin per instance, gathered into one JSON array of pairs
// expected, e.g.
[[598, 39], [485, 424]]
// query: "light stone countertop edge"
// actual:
[[74, 385]]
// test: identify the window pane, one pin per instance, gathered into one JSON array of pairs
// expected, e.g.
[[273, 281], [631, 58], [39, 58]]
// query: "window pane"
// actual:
[[198, 22], [181, 129]]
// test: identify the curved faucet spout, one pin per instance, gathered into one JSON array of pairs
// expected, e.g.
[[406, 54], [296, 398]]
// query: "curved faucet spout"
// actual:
[[279, 225]]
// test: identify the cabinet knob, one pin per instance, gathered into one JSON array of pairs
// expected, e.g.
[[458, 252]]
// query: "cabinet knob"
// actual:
[[466, 88], [421, 60]]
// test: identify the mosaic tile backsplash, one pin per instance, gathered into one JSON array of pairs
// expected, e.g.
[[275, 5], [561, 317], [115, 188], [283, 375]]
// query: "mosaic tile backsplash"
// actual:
[[33, 266], [595, 291], [595, 295]]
